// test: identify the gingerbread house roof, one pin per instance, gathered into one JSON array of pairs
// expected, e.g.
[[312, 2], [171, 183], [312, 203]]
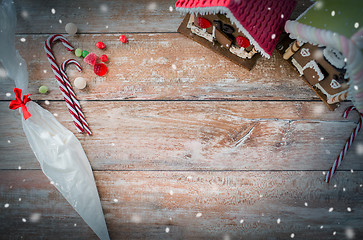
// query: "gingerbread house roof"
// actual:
[[261, 21]]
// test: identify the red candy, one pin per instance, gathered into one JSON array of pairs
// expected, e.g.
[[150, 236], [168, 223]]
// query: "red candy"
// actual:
[[104, 58], [242, 41], [123, 39], [91, 59], [100, 69], [100, 45], [203, 23]]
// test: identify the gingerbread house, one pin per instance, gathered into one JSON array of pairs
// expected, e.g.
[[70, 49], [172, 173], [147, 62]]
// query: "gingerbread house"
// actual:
[[240, 30], [328, 50]]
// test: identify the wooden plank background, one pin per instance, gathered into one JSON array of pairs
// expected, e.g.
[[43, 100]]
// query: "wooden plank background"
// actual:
[[179, 132]]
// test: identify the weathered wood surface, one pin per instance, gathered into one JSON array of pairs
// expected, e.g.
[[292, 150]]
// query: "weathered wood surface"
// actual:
[[161, 66], [258, 159], [142, 205], [105, 16], [198, 136]]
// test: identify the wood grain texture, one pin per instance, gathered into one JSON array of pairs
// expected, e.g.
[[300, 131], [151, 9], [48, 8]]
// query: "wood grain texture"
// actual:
[[161, 66], [106, 16], [170, 141], [198, 135], [149, 202]]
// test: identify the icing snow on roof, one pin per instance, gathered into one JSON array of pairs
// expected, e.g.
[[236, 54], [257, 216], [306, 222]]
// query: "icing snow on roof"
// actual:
[[262, 21]]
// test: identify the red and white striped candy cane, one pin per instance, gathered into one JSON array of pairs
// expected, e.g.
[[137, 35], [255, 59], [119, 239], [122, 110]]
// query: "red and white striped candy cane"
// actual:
[[72, 94], [348, 143], [56, 71]]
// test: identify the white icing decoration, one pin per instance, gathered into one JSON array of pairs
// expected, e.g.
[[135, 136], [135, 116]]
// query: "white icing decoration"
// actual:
[[335, 84], [329, 97], [305, 52], [240, 52], [298, 66], [312, 64], [201, 33], [334, 57]]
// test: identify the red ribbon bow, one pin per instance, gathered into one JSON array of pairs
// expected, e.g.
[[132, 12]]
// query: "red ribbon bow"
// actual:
[[15, 104]]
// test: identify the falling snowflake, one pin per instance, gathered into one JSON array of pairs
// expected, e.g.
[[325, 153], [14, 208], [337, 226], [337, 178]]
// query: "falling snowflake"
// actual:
[[343, 189], [356, 25], [273, 36], [331, 209], [75, 225], [115, 200], [6, 205], [104, 8], [359, 149], [351, 170], [173, 66], [3, 73], [171, 192], [24, 14], [321, 227], [319, 5], [306, 204], [349, 209], [333, 13], [282, 15], [152, 6], [167, 230], [335, 185], [9, 141], [22, 39], [241, 221], [46, 102], [19, 199], [349, 233], [226, 237], [278, 221], [35, 217], [19, 167], [55, 114], [52, 11], [23, 219], [322, 138], [60, 21], [292, 235], [334, 233], [136, 218], [171, 9], [198, 215], [356, 87]]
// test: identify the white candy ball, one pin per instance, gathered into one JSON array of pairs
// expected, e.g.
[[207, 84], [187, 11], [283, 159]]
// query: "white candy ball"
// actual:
[[71, 28], [80, 82]]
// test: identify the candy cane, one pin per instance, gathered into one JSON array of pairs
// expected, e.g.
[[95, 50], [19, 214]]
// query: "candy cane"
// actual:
[[56, 71], [72, 94], [348, 143]]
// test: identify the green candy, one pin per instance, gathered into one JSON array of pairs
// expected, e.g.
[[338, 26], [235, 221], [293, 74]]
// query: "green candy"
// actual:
[[85, 53], [43, 89], [78, 52]]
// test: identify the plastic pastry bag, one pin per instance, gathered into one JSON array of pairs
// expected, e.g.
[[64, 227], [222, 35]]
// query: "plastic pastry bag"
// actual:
[[58, 151]]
